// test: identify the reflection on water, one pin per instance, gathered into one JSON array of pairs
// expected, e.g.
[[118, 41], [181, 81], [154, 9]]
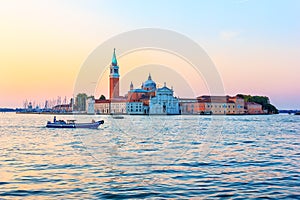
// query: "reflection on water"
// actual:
[[146, 157]]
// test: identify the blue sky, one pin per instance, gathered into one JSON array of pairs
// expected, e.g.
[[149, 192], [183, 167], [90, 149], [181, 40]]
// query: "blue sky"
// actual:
[[268, 19]]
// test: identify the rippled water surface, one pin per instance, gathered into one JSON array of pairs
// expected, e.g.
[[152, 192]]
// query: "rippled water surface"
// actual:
[[151, 157]]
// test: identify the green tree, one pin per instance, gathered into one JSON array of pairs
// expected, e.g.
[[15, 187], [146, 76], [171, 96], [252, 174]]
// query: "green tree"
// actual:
[[92, 96], [102, 97], [271, 109], [262, 100], [245, 97]]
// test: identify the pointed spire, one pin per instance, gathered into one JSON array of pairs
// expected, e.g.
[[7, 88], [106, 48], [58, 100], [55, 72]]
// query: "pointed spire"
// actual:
[[149, 77], [114, 58], [131, 86]]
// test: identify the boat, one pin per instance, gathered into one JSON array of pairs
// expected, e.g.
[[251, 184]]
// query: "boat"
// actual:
[[297, 113], [73, 124], [117, 116]]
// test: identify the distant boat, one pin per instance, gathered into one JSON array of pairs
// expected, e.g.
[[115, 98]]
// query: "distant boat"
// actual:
[[117, 116], [73, 124], [297, 113]]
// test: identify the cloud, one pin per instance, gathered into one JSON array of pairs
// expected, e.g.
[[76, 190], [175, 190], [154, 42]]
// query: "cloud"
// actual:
[[229, 35]]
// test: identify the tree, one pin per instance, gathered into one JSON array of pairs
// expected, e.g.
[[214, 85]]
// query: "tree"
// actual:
[[102, 97], [245, 97], [92, 96], [271, 109], [80, 102], [262, 100]]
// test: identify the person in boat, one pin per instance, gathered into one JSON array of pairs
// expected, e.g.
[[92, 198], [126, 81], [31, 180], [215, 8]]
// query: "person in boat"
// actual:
[[93, 121], [54, 119]]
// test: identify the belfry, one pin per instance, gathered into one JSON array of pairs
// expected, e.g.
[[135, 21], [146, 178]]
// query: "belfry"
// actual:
[[114, 78]]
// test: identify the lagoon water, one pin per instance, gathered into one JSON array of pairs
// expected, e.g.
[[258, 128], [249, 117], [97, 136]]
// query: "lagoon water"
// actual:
[[159, 157]]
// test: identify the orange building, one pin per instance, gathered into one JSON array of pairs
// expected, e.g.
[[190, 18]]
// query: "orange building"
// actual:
[[253, 108], [222, 105], [212, 105], [189, 106], [239, 104]]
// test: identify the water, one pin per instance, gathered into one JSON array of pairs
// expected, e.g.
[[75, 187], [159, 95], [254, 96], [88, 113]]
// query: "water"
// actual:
[[151, 157]]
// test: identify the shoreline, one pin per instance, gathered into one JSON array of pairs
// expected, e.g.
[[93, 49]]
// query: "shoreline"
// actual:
[[51, 113]]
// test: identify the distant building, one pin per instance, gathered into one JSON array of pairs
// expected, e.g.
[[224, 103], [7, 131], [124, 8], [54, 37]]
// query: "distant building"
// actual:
[[239, 104], [253, 108], [118, 106], [63, 108], [136, 108], [218, 105], [164, 102], [189, 106], [148, 99], [90, 105], [140, 97], [102, 106]]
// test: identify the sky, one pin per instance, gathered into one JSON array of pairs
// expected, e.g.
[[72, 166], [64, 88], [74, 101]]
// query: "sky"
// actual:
[[254, 44]]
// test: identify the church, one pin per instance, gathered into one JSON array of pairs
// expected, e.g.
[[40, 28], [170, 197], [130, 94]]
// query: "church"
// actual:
[[148, 99], [138, 99], [151, 100], [164, 103]]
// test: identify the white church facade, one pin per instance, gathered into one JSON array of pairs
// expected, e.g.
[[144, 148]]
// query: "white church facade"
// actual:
[[164, 103]]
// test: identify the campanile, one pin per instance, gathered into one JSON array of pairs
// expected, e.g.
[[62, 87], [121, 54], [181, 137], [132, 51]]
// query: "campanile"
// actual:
[[114, 78]]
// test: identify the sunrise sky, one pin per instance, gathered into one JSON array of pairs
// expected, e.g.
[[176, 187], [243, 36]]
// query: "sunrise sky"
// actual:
[[254, 44]]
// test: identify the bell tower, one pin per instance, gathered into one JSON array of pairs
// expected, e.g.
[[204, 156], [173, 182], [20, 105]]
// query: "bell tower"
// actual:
[[114, 78]]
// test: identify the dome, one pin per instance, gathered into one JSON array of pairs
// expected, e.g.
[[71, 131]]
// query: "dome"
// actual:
[[149, 84]]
